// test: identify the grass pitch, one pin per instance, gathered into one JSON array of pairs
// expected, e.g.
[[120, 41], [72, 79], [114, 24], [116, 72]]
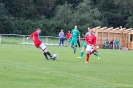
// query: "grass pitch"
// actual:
[[24, 66]]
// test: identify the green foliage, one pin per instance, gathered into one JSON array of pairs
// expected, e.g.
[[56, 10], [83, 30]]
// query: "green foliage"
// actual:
[[130, 22], [116, 11], [83, 16], [24, 16], [63, 16]]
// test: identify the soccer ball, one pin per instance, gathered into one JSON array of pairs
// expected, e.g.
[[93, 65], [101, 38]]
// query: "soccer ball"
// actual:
[[55, 56]]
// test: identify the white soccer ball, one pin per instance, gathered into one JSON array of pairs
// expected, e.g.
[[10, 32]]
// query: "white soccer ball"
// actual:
[[55, 56]]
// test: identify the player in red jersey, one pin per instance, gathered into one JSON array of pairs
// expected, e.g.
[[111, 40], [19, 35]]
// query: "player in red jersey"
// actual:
[[90, 40], [68, 36], [38, 43]]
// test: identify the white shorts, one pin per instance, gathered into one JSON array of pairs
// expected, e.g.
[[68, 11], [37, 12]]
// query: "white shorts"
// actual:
[[42, 46], [89, 48]]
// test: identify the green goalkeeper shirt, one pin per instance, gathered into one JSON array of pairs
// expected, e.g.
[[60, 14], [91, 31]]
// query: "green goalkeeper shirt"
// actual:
[[75, 34]]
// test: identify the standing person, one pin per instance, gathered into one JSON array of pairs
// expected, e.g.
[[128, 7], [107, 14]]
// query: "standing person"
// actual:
[[38, 43], [75, 35], [68, 36], [90, 40], [61, 35], [95, 52]]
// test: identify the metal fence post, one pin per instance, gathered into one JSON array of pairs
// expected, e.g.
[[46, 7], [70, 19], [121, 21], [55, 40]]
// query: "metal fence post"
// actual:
[[23, 39], [46, 39]]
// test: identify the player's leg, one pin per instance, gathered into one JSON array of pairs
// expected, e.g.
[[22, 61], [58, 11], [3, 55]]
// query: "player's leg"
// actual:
[[95, 52], [78, 43], [69, 42], [82, 51], [43, 47], [88, 53], [73, 44], [97, 55], [74, 47], [46, 52], [62, 41]]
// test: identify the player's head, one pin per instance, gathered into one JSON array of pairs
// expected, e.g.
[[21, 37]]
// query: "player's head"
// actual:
[[61, 30], [75, 27], [68, 31], [91, 31], [38, 30]]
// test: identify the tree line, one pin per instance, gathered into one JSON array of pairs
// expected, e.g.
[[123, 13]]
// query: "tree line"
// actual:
[[24, 16]]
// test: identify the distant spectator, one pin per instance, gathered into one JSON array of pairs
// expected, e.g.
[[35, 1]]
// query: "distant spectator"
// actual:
[[68, 36], [83, 35], [106, 44], [116, 44], [61, 35], [111, 44]]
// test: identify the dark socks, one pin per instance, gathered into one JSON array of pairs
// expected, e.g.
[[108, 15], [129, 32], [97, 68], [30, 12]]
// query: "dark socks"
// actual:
[[45, 54], [49, 54]]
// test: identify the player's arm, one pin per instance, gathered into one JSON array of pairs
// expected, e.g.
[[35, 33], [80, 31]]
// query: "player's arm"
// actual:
[[79, 36], [86, 40], [31, 36]]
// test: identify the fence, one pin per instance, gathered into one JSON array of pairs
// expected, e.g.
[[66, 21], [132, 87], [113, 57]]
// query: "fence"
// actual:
[[22, 39]]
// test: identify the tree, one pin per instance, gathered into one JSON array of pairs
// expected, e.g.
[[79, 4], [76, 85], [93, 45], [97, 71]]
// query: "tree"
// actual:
[[85, 16], [63, 16]]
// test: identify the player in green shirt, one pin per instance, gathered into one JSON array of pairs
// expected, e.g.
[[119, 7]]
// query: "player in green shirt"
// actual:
[[75, 35]]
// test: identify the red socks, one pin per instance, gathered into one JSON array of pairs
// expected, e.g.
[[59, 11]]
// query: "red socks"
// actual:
[[87, 57]]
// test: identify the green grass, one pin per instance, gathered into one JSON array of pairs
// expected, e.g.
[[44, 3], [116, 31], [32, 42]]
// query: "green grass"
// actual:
[[24, 66]]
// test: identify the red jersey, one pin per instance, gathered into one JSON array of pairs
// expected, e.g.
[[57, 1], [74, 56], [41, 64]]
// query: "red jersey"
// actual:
[[68, 35], [90, 39], [36, 40], [111, 43]]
